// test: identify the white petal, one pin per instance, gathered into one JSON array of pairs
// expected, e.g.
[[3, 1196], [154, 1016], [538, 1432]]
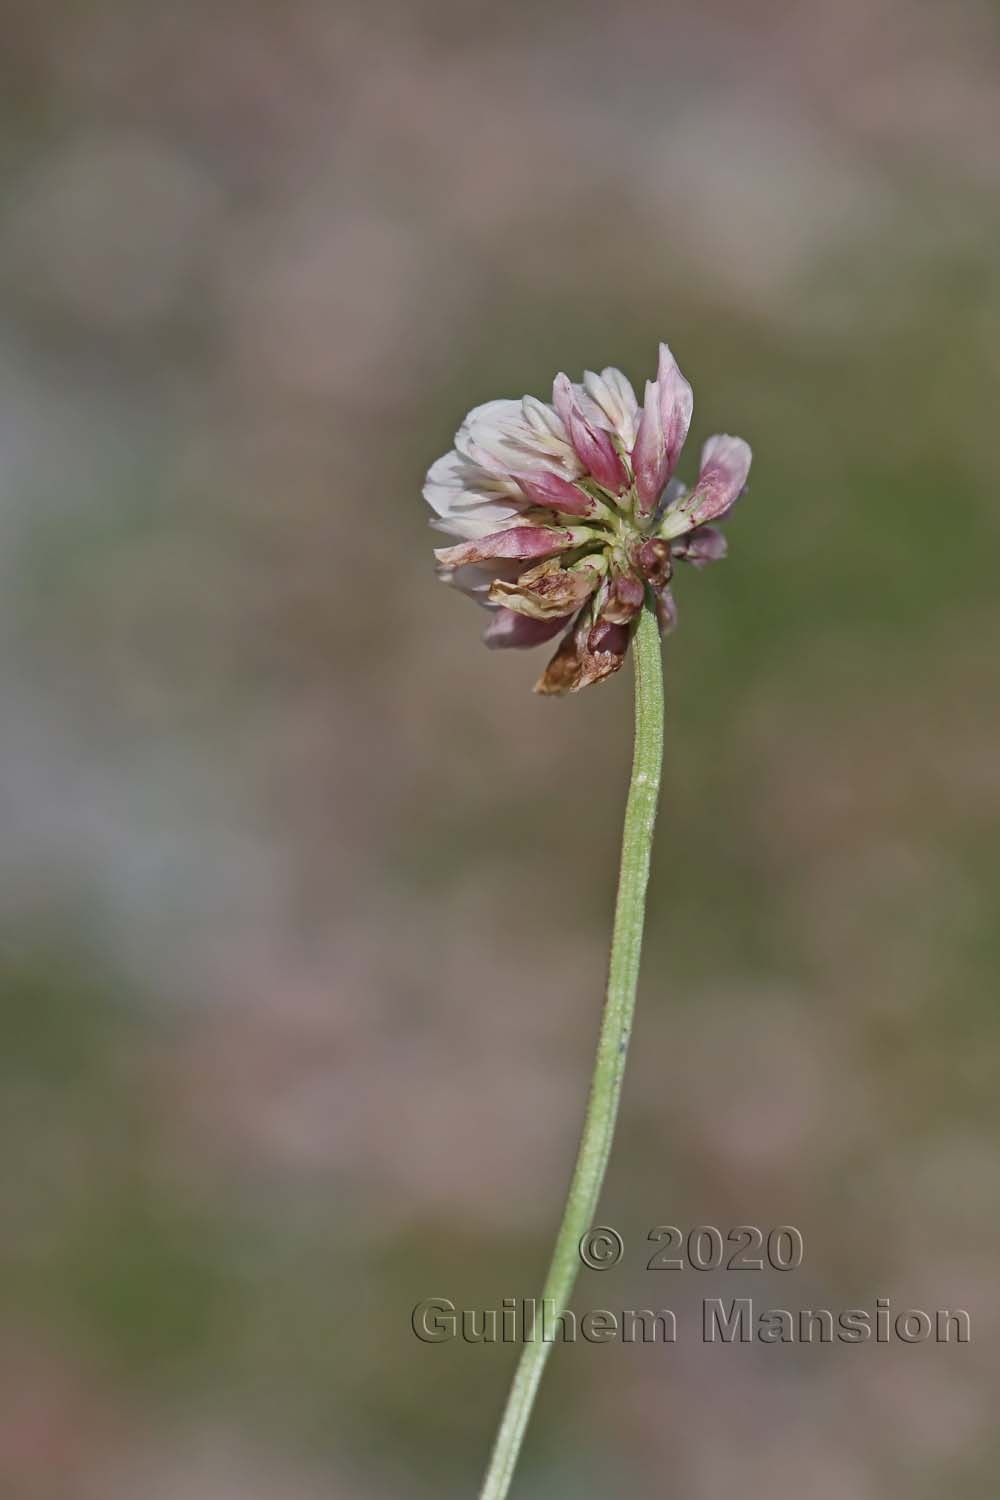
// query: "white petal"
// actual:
[[475, 579], [482, 430], [543, 419], [614, 396], [622, 387], [592, 398], [499, 438], [469, 501], [473, 525], [445, 479]]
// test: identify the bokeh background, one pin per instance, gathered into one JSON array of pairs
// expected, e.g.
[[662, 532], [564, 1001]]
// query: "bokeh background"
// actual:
[[305, 898]]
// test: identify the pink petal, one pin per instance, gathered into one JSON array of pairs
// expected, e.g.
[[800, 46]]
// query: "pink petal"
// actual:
[[725, 464], [649, 456], [515, 541], [556, 493], [666, 611], [509, 629], [704, 545], [676, 406], [595, 449], [624, 600], [663, 429], [608, 636], [592, 444]]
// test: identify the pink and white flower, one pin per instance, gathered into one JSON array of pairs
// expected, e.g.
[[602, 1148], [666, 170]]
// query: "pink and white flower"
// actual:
[[566, 514]]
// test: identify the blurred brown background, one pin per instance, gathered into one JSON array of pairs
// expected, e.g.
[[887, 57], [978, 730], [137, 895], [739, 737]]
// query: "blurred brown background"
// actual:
[[305, 898]]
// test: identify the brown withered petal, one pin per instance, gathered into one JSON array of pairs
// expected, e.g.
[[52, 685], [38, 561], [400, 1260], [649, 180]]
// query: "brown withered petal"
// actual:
[[576, 665], [563, 671], [552, 592], [598, 665]]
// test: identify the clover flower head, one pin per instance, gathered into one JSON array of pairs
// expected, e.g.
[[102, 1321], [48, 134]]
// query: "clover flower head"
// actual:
[[568, 512]]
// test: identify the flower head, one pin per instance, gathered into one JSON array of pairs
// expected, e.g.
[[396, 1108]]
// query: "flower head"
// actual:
[[567, 513]]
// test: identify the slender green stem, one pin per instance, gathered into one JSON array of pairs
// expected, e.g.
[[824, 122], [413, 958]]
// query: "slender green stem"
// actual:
[[612, 1046]]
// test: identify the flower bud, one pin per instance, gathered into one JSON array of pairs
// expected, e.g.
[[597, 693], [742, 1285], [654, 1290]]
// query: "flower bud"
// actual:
[[653, 561]]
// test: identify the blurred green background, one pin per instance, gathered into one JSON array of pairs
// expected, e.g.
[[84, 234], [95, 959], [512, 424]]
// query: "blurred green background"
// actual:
[[305, 898]]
